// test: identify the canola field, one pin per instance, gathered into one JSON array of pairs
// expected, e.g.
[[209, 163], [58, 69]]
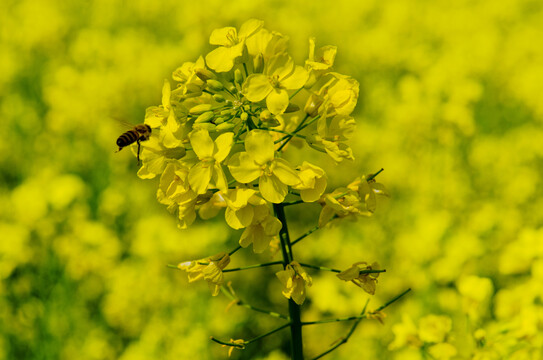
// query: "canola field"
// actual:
[[449, 105]]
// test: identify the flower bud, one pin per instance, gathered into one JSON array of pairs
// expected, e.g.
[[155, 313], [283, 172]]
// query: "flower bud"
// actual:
[[244, 116], [258, 63], [204, 74], [292, 108], [215, 85], [232, 88], [205, 117], [227, 112], [225, 126], [238, 78], [312, 105], [219, 98], [207, 126], [220, 120], [199, 109]]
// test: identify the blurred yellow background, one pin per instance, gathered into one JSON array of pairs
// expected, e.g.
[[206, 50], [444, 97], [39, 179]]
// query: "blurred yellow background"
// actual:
[[450, 106]]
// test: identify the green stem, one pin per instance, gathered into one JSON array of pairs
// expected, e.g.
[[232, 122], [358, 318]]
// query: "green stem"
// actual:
[[288, 133], [233, 251], [294, 93], [294, 202], [268, 333], [311, 231], [338, 271], [242, 346], [374, 175], [240, 302], [252, 266], [245, 68], [293, 308], [362, 316], [288, 137], [346, 338]]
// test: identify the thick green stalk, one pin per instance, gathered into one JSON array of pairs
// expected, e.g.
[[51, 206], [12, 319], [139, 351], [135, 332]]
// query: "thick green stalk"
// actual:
[[293, 308]]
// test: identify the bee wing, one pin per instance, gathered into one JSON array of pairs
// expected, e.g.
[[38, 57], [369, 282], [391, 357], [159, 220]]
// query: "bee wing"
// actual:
[[123, 125]]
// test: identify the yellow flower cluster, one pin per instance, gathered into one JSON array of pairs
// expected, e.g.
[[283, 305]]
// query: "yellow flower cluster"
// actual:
[[430, 336], [220, 136]]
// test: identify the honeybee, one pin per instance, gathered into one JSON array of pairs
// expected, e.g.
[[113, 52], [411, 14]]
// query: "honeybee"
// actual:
[[139, 133]]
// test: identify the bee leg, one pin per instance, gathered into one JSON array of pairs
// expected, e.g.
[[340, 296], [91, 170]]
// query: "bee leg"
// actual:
[[138, 155]]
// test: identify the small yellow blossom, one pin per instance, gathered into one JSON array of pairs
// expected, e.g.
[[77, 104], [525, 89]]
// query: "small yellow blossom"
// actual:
[[155, 155], [405, 334], [263, 228], [320, 61], [266, 44], [434, 328], [341, 203], [323, 58], [186, 75], [209, 269], [294, 280], [330, 137], [259, 161], [211, 154], [174, 187], [238, 344], [378, 315], [211, 208], [231, 43], [368, 191], [313, 182], [279, 75], [241, 203], [442, 351], [340, 93], [366, 281]]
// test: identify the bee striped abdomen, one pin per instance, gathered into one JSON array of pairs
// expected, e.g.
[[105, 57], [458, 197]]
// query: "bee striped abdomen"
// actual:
[[127, 138]]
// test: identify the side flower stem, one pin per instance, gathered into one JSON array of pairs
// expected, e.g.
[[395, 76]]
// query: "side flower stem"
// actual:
[[362, 316], [343, 340], [338, 271], [252, 266], [237, 301], [309, 232], [297, 352]]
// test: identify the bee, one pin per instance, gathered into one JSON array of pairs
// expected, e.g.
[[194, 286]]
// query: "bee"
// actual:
[[139, 133]]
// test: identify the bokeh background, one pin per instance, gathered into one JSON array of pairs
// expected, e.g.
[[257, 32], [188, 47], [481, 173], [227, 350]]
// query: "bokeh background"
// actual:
[[450, 105]]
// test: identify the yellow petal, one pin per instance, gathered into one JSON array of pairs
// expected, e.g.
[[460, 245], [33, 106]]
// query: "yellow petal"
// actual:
[[285, 172], [238, 219], [272, 189], [219, 178], [222, 58], [222, 36], [277, 101], [166, 93], [310, 195], [243, 168], [256, 87], [238, 198], [296, 80], [250, 27], [223, 145], [259, 144], [199, 177], [272, 226], [280, 66], [202, 144]]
